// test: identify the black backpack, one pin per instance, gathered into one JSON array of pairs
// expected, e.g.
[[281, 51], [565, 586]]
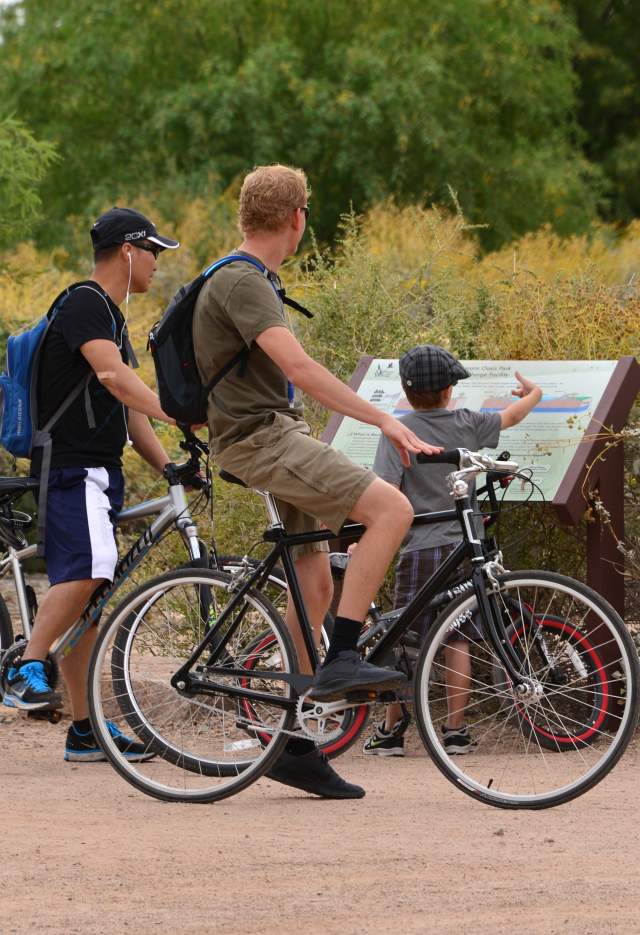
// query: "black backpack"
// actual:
[[182, 394]]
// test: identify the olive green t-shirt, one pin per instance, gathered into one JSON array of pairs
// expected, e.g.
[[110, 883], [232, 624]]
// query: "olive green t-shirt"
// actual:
[[234, 307]]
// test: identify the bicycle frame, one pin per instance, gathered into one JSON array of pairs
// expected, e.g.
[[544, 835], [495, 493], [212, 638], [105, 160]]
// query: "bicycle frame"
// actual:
[[217, 636], [169, 510]]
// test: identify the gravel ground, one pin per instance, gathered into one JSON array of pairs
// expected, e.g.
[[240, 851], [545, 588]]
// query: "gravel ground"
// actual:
[[86, 853]]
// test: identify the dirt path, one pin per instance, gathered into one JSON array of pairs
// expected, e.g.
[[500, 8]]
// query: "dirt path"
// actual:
[[85, 853]]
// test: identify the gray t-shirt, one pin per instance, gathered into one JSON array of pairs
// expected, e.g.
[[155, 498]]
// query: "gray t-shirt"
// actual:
[[424, 485]]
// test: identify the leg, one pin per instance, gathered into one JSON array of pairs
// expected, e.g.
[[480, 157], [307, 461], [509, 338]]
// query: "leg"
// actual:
[[314, 577], [393, 714], [75, 670], [59, 609], [458, 680], [81, 553], [387, 514]]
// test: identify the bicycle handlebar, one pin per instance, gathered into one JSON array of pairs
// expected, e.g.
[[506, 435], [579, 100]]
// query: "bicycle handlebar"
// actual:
[[463, 459], [443, 457]]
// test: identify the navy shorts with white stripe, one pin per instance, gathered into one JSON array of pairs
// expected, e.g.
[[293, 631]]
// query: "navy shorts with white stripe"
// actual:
[[80, 539]]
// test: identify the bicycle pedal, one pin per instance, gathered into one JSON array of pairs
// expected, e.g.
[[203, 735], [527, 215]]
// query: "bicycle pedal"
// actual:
[[389, 697], [361, 697], [53, 717]]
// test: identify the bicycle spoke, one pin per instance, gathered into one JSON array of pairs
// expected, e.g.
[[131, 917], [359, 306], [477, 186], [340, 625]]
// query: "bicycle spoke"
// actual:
[[553, 732], [203, 747]]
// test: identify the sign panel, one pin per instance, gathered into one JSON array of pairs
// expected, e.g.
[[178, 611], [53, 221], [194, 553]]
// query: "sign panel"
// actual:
[[545, 442]]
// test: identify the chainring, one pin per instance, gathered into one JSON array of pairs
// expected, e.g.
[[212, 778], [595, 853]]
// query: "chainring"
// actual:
[[321, 722]]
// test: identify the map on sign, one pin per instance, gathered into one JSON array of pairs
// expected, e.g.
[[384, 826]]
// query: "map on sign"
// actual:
[[545, 442]]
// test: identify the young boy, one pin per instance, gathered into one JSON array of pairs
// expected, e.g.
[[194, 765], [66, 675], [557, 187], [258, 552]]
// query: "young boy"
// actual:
[[428, 374]]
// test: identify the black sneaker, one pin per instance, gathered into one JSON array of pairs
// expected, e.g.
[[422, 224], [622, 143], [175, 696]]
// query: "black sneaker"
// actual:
[[388, 743], [348, 672], [83, 748], [311, 772], [457, 740], [28, 688]]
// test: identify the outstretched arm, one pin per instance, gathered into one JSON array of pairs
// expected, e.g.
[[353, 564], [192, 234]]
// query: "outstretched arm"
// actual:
[[530, 395], [315, 380]]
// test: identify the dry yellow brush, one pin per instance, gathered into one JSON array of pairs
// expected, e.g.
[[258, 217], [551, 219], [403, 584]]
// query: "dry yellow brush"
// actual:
[[397, 277]]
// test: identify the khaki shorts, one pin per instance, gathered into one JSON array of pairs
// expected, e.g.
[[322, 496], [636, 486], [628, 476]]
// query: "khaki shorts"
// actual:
[[314, 484]]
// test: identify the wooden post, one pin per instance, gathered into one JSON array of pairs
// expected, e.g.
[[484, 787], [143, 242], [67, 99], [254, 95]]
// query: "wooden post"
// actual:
[[588, 472], [605, 563]]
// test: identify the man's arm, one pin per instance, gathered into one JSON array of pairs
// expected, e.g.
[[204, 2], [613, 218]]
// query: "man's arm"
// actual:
[[530, 395], [104, 359], [145, 441], [315, 380]]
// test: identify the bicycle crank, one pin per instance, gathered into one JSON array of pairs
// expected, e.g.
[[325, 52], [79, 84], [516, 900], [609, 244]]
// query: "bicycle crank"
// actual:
[[322, 721]]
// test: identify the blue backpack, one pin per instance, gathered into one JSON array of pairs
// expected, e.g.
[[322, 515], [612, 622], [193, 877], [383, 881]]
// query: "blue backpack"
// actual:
[[19, 431]]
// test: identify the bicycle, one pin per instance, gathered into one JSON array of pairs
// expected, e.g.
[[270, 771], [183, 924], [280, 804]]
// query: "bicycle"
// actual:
[[199, 665], [171, 512]]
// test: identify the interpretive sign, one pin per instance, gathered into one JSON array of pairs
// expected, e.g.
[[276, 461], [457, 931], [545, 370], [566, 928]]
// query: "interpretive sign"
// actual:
[[545, 442], [561, 441]]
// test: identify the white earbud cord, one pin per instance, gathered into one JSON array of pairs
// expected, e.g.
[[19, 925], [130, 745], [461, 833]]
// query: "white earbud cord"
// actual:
[[124, 328]]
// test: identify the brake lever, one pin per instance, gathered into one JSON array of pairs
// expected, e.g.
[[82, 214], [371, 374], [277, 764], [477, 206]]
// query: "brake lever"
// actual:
[[191, 442]]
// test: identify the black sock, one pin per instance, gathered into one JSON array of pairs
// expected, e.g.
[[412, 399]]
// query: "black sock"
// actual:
[[83, 726], [345, 636], [298, 746]]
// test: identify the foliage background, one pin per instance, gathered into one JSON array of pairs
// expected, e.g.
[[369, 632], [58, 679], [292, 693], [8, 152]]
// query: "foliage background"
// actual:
[[527, 108]]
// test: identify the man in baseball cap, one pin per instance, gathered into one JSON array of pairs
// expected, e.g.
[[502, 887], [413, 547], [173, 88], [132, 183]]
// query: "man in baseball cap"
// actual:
[[87, 346], [124, 225]]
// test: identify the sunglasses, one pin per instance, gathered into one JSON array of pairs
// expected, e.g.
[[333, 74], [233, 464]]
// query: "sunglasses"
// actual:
[[305, 208], [150, 248]]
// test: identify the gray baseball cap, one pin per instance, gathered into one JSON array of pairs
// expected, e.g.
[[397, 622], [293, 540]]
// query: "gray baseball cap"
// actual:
[[429, 368]]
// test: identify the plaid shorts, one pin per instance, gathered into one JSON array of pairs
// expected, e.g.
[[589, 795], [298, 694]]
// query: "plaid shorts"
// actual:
[[412, 570]]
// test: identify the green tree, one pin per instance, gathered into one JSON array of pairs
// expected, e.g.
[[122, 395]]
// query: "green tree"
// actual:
[[373, 98], [608, 66], [23, 164]]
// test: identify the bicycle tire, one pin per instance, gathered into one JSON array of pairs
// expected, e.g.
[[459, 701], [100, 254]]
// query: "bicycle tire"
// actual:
[[574, 655], [507, 766], [196, 757], [6, 626]]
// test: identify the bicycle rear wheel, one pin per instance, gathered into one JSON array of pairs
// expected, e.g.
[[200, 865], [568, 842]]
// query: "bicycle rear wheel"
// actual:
[[201, 747], [564, 734]]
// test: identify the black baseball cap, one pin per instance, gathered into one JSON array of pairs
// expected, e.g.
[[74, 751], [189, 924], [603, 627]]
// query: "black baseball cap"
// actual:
[[124, 225], [429, 368]]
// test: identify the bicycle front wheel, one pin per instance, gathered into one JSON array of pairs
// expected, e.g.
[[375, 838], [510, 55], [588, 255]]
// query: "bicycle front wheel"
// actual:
[[546, 743], [194, 746]]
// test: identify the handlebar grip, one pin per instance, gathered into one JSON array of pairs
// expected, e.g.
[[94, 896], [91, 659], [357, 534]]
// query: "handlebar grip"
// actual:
[[444, 457]]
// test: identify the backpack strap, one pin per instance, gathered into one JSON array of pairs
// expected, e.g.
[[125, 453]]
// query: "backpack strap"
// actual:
[[242, 356], [278, 289], [43, 439]]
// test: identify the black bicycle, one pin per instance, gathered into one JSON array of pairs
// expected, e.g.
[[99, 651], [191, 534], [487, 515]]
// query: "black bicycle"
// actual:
[[200, 666]]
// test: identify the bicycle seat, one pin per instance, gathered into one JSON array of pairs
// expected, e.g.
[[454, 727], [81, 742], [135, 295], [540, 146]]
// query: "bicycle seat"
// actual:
[[231, 478], [10, 486]]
